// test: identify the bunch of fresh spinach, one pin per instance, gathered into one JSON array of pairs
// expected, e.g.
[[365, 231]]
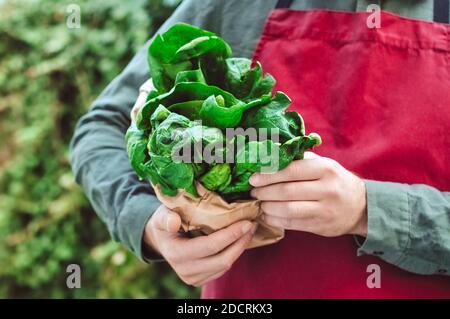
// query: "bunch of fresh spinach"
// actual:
[[200, 92]]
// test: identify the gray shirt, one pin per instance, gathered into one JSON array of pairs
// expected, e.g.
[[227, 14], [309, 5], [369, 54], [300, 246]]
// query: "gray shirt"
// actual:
[[408, 225]]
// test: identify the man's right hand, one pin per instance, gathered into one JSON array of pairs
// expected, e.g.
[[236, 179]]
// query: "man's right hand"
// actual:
[[201, 259]]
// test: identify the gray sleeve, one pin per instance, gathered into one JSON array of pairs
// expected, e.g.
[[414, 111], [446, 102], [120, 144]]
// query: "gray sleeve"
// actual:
[[409, 226]]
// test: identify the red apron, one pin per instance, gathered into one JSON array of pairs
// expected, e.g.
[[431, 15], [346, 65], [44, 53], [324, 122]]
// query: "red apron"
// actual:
[[380, 99]]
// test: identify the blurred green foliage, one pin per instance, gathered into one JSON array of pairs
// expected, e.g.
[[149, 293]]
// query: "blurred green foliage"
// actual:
[[49, 75]]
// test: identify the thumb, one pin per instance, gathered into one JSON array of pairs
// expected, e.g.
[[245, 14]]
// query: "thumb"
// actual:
[[138, 105], [167, 220], [142, 98]]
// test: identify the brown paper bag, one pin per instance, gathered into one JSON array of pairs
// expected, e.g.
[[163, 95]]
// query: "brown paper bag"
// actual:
[[210, 212]]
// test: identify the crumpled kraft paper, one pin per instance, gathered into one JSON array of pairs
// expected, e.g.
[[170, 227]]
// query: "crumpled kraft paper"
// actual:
[[209, 212]]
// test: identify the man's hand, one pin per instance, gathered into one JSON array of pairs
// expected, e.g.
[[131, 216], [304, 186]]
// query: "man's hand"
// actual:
[[201, 259], [315, 195], [142, 97]]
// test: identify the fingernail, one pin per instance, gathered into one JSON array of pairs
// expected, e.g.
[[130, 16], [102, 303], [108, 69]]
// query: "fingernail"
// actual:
[[253, 193], [246, 227], [253, 180]]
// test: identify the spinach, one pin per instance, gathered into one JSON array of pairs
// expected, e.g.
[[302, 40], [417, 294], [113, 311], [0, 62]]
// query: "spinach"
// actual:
[[136, 142], [273, 117], [245, 82], [267, 156], [217, 178], [184, 47], [199, 101], [200, 91]]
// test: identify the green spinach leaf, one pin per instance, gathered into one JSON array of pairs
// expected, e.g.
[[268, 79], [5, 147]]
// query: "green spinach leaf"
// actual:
[[200, 91]]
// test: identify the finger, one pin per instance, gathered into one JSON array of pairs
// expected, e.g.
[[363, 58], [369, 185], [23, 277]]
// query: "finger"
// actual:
[[309, 190], [143, 92], [166, 220], [210, 278], [214, 243], [301, 170], [200, 269], [291, 210], [138, 105], [289, 223], [226, 258]]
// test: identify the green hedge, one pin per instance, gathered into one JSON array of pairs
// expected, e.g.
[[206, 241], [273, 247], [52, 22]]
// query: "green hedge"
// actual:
[[49, 75]]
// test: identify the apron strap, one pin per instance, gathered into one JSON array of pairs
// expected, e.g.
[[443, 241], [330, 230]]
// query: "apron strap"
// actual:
[[283, 4], [441, 11]]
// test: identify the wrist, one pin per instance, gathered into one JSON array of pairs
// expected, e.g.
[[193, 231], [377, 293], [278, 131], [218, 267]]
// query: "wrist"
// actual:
[[361, 227]]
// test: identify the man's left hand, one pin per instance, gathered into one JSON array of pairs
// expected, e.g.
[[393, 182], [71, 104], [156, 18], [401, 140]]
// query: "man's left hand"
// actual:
[[315, 195]]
